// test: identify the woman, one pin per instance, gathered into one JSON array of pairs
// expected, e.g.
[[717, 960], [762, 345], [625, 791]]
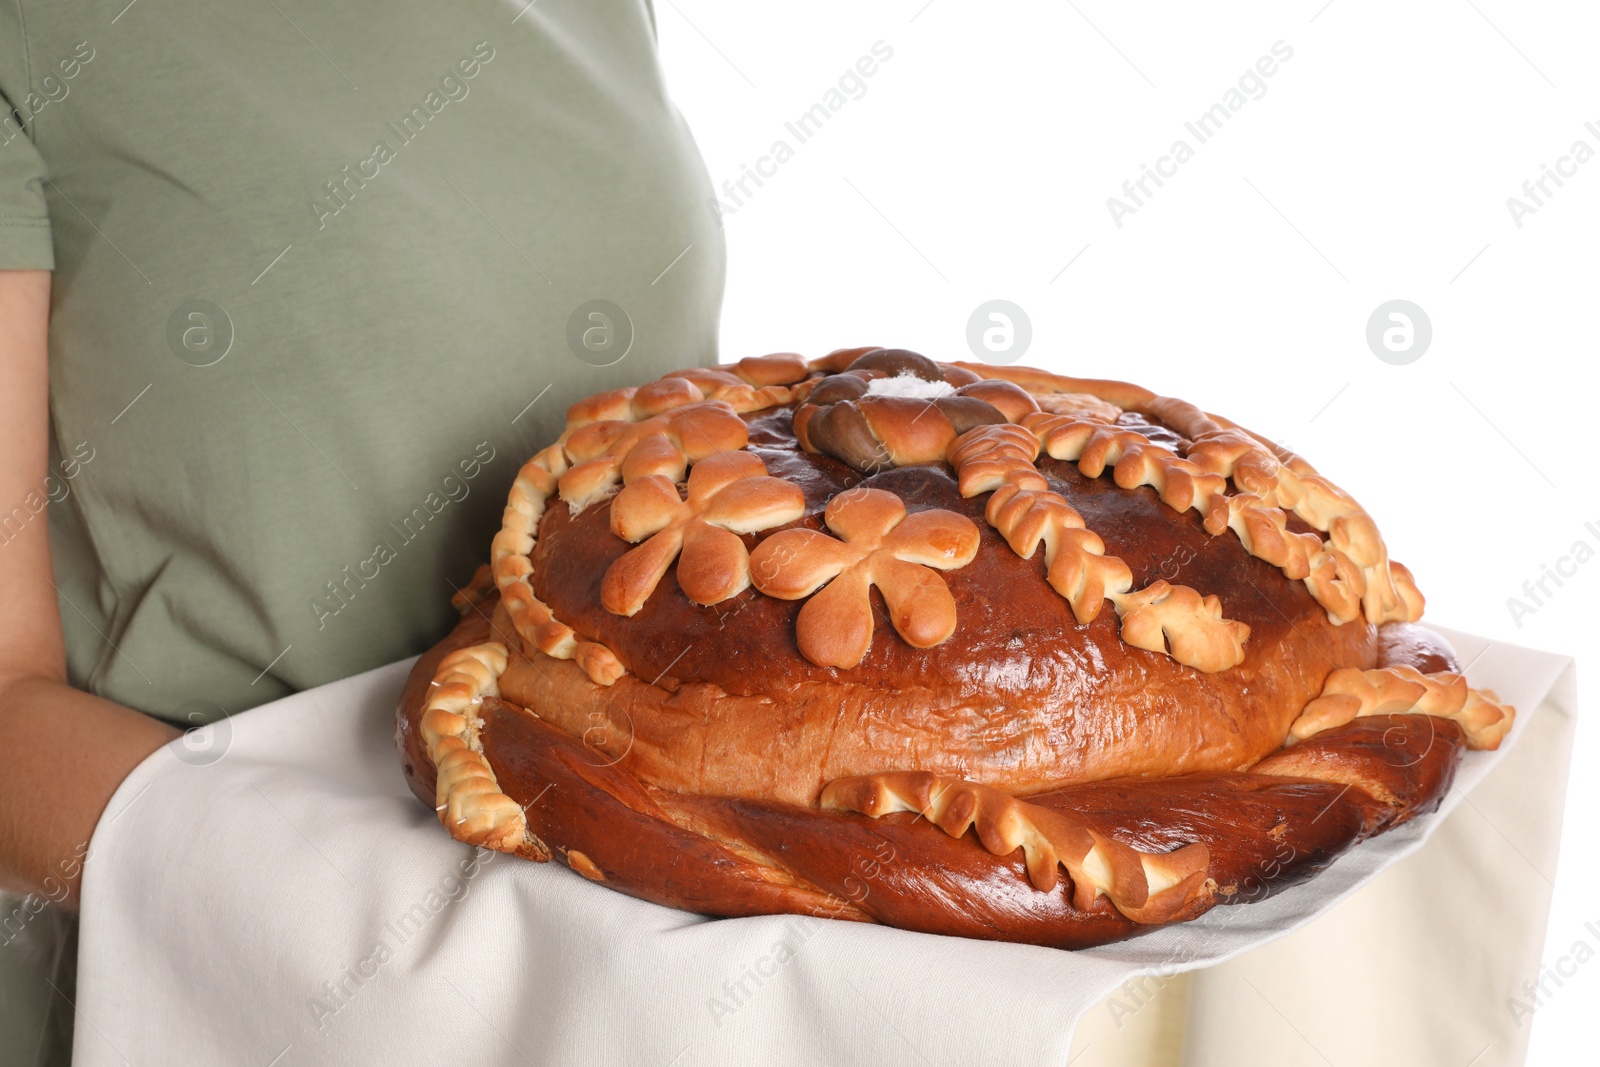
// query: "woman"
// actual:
[[287, 291]]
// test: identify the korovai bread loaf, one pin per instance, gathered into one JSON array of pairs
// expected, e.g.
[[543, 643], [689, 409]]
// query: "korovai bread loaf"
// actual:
[[957, 648]]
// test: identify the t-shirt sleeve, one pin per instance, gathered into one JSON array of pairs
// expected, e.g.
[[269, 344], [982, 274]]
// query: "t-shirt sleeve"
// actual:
[[24, 222]]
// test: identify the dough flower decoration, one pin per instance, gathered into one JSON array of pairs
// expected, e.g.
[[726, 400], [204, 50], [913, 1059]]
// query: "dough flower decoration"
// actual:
[[878, 544], [896, 408], [663, 444], [1189, 627], [729, 493]]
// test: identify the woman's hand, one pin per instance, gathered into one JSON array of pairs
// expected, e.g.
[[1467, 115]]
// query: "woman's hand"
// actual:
[[65, 751]]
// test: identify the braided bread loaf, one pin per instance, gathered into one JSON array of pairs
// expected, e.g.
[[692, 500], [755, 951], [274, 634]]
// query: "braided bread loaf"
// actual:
[[831, 637]]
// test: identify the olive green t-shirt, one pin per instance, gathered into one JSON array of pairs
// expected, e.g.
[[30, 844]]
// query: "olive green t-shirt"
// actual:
[[325, 274]]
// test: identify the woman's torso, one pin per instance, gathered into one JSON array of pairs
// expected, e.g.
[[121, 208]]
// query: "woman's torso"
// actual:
[[379, 221]]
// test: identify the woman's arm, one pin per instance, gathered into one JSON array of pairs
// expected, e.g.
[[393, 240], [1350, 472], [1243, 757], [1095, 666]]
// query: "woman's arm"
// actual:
[[64, 751]]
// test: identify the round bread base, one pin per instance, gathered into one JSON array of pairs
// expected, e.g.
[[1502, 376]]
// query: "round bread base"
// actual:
[[1267, 827]]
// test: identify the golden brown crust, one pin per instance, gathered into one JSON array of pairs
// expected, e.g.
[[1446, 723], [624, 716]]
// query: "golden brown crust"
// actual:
[[578, 802], [846, 607], [723, 701]]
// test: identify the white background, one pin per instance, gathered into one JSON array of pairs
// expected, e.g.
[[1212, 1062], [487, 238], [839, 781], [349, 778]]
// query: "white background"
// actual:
[[1377, 165]]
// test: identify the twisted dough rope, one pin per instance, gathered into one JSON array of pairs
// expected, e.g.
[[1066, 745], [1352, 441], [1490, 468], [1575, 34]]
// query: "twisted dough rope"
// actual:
[[1146, 887], [469, 800], [1350, 693], [1173, 620]]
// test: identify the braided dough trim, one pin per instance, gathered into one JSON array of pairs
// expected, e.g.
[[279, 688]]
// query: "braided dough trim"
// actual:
[[469, 801], [1146, 887], [1369, 584], [1353, 576], [1377, 794], [1172, 620], [755, 383], [1024, 510], [1350, 574], [1124, 395], [1350, 693], [509, 559]]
